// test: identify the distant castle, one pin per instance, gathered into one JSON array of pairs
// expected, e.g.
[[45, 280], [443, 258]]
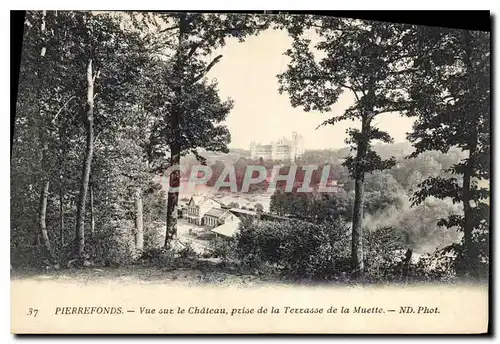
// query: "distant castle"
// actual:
[[283, 149]]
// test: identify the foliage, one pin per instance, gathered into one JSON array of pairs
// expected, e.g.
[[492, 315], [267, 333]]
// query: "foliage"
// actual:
[[364, 58], [113, 245], [154, 103], [300, 249], [185, 110], [384, 257], [187, 251], [450, 97], [222, 248]]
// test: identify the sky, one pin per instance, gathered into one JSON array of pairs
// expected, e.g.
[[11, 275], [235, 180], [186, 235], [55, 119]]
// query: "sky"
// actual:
[[247, 74]]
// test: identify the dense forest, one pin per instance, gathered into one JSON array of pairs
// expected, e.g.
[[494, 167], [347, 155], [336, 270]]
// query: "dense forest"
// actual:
[[107, 102]]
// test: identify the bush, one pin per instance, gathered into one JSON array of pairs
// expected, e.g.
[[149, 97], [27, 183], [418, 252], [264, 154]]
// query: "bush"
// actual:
[[154, 236], [166, 258], [187, 251], [114, 245], [384, 255], [301, 249], [222, 248], [438, 266]]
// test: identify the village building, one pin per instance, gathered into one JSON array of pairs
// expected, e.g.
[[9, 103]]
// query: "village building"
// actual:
[[228, 229], [203, 211], [197, 207], [245, 213], [216, 217]]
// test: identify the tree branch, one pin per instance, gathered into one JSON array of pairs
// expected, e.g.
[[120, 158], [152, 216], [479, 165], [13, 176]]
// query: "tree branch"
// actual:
[[395, 109], [62, 107], [169, 28], [206, 70], [352, 90]]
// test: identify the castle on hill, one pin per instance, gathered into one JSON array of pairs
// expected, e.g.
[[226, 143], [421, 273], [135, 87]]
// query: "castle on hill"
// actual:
[[283, 149]]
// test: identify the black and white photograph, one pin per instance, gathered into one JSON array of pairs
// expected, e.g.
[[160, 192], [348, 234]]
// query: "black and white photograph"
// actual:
[[245, 150]]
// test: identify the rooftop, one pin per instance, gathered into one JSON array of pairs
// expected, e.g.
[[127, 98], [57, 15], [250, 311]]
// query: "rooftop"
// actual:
[[243, 211], [228, 229], [217, 212]]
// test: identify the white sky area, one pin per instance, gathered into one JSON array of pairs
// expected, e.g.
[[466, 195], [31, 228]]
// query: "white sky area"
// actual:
[[247, 74]]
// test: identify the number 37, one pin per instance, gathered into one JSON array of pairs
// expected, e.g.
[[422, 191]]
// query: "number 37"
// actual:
[[33, 312]]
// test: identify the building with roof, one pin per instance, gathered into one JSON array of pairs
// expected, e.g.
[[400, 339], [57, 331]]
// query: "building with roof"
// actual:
[[228, 229], [245, 213], [217, 216], [197, 207]]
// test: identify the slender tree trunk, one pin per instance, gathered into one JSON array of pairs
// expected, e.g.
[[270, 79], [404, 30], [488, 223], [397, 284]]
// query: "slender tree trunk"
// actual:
[[173, 199], [89, 151], [175, 146], [139, 228], [61, 216], [62, 154], [44, 194], [467, 193], [92, 216], [43, 237], [357, 260], [357, 230]]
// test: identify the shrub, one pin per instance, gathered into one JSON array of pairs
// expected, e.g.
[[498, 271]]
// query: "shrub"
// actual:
[[166, 258], [384, 254], [187, 251], [154, 236], [114, 245], [438, 266], [222, 248], [301, 249]]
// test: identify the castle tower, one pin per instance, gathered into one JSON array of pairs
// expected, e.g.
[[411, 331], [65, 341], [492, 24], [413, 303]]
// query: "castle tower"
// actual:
[[253, 150], [297, 146]]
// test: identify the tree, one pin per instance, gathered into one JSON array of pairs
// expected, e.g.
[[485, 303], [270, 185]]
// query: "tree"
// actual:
[[364, 58], [233, 205], [87, 49], [258, 207], [52, 121], [451, 101], [42, 87], [103, 46], [187, 109]]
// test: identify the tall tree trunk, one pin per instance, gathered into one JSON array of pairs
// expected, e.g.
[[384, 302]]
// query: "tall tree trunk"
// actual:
[[42, 214], [173, 198], [87, 162], [43, 237], [468, 216], [357, 231], [139, 228], [357, 260], [62, 154], [92, 215], [61, 216], [467, 193], [175, 146]]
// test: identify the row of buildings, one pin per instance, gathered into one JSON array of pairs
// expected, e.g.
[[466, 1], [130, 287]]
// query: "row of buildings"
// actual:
[[204, 211], [223, 221]]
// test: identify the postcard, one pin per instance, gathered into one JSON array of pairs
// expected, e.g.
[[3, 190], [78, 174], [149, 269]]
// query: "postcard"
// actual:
[[188, 173]]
